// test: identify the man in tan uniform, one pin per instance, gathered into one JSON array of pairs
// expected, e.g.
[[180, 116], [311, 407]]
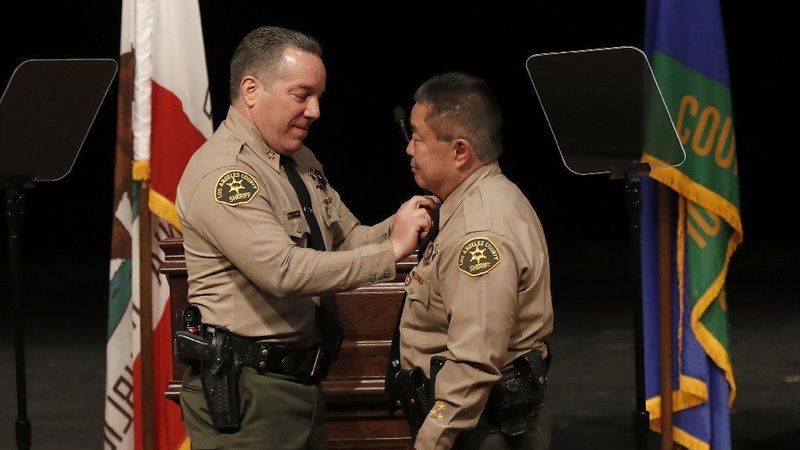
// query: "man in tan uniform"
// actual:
[[256, 208], [479, 299]]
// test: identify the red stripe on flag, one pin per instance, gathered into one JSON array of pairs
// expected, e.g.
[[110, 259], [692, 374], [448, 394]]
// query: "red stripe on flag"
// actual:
[[170, 432], [174, 140], [169, 429]]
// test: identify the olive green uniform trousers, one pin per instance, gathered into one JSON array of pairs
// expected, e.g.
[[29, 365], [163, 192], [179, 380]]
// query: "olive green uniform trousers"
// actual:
[[484, 437], [277, 413]]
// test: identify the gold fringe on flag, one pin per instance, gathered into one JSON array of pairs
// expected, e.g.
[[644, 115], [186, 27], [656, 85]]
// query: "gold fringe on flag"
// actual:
[[141, 169], [164, 208]]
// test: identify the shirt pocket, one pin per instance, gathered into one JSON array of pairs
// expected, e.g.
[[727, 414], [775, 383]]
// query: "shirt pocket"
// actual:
[[295, 225], [419, 329], [417, 290]]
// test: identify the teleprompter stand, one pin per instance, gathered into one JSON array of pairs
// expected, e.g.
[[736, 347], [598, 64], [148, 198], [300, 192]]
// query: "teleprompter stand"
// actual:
[[607, 116], [45, 114]]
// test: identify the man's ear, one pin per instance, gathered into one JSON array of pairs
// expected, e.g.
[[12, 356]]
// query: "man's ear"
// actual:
[[248, 88], [464, 152]]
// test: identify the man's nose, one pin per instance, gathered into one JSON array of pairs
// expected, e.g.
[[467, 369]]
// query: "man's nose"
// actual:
[[312, 109], [410, 148]]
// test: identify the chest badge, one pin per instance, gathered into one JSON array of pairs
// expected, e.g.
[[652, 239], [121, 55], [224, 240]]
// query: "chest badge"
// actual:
[[235, 187], [319, 179], [478, 256], [430, 251]]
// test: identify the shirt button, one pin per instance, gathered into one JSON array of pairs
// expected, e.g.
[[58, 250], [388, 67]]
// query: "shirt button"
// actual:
[[387, 274], [410, 290], [372, 279]]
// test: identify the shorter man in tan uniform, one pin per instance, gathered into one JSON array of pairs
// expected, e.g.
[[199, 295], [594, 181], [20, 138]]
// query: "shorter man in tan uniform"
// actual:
[[478, 303], [257, 213]]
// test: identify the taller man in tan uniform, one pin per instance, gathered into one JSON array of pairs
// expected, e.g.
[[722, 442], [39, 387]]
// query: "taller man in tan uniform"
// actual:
[[252, 202], [479, 299]]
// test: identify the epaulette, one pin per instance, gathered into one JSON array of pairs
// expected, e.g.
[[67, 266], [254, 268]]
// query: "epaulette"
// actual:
[[475, 215]]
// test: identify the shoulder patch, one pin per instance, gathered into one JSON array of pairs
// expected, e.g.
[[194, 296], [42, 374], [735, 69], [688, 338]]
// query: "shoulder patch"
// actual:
[[235, 187], [478, 256]]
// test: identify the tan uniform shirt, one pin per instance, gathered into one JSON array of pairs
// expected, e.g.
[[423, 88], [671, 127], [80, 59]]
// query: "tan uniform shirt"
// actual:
[[480, 296], [245, 236]]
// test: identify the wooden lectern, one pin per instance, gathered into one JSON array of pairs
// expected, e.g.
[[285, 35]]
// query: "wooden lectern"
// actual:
[[359, 413]]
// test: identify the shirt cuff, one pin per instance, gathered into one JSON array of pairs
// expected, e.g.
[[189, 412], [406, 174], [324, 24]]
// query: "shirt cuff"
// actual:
[[434, 436]]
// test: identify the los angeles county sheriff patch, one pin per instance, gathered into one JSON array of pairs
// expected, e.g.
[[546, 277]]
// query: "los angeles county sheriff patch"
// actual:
[[478, 256], [235, 187]]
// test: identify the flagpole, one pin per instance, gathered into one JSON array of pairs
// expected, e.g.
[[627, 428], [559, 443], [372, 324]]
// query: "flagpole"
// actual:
[[665, 335], [146, 315]]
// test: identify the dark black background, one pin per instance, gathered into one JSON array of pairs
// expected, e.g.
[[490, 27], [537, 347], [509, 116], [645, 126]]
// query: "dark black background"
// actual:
[[376, 56]]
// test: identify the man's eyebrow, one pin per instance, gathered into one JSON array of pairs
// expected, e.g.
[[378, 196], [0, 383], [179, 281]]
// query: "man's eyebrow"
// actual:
[[305, 87]]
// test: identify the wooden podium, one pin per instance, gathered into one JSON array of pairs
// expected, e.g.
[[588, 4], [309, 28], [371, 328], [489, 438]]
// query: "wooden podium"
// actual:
[[359, 413]]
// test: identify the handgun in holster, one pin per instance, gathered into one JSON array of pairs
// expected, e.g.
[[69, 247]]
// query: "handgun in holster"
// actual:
[[219, 373], [517, 394], [191, 351], [410, 388]]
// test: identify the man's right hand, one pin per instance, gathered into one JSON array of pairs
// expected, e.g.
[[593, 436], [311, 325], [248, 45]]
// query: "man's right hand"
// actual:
[[411, 223]]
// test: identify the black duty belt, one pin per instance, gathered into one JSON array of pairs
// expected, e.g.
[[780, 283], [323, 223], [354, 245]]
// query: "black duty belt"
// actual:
[[303, 364], [219, 356]]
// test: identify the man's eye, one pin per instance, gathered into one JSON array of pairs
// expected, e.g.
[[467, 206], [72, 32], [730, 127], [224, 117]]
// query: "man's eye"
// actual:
[[301, 97]]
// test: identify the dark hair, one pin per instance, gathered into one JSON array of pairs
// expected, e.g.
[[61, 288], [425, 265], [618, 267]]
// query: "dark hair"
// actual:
[[261, 54], [463, 106]]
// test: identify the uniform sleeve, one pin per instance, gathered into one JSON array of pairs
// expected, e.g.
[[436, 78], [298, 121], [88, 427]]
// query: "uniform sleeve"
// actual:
[[355, 234], [478, 280], [252, 237]]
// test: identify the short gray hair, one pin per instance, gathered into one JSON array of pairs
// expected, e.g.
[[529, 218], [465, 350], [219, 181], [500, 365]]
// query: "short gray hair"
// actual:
[[463, 106], [261, 54]]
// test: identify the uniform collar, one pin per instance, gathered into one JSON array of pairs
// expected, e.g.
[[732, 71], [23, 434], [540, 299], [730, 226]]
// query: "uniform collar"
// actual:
[[247, 131], [473, 181]]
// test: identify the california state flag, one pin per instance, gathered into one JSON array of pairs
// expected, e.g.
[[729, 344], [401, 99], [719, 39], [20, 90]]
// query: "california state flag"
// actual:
[[164, 115]]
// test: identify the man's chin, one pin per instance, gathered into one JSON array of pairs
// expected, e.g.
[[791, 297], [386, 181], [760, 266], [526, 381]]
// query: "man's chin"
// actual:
[[293, 146], [419, 181]]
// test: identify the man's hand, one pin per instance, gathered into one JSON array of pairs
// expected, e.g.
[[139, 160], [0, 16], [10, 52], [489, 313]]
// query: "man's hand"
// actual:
[[412, 222]]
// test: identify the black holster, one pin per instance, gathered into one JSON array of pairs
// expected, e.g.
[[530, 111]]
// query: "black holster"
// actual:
[[410, 390], [517, 394], [514, 397], [414, 396], [219, 374]]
